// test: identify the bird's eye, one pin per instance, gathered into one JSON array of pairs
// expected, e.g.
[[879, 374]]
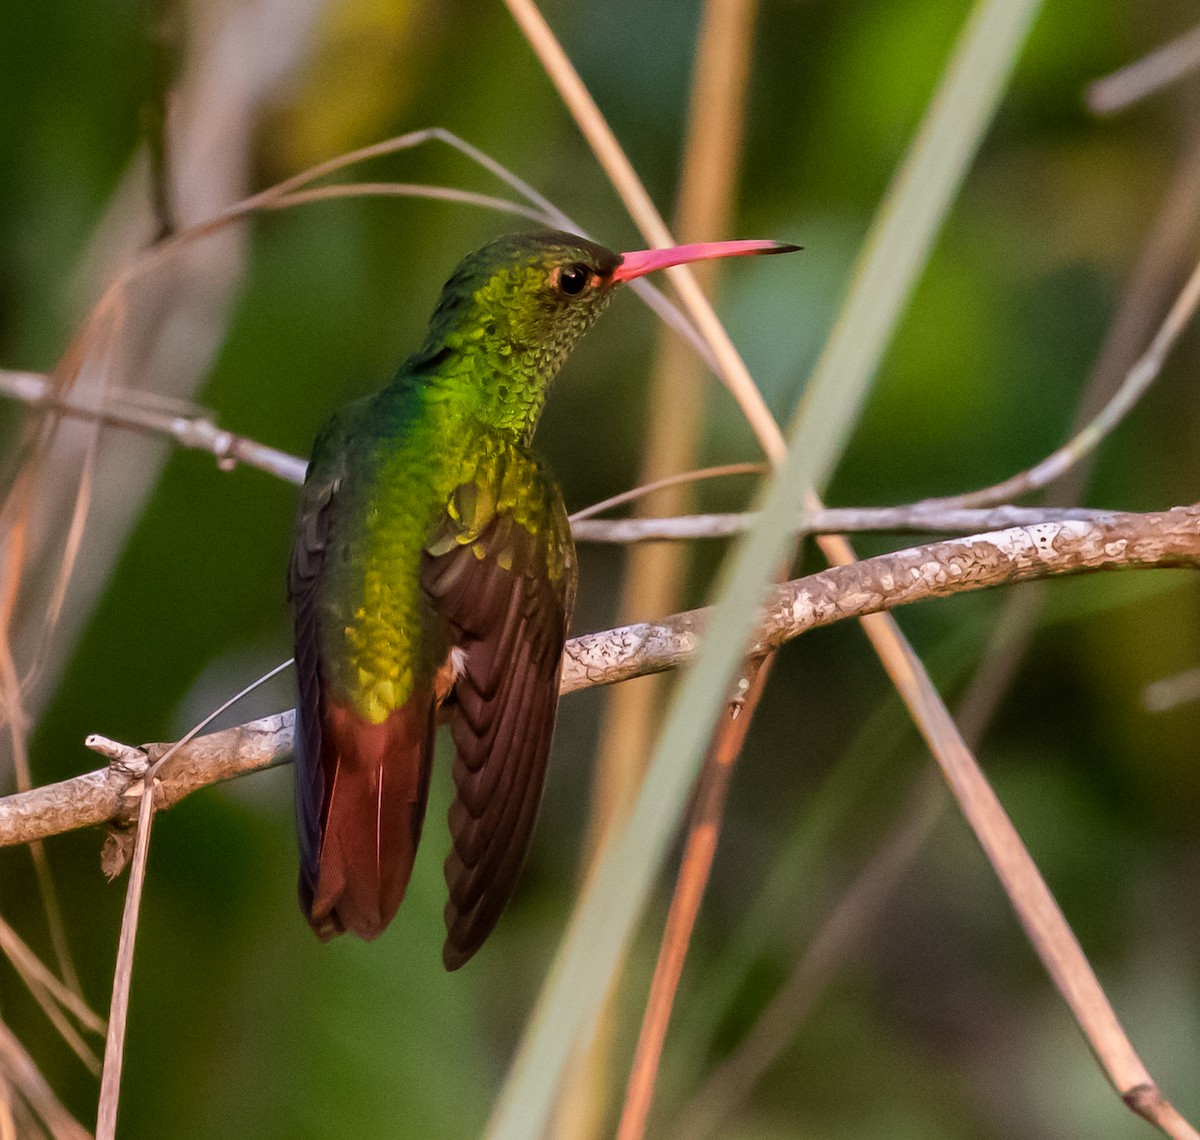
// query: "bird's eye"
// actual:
[[573, 279]]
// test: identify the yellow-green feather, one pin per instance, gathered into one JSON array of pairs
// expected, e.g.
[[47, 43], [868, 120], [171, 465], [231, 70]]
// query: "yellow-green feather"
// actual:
[[459, 414], [447, 474]]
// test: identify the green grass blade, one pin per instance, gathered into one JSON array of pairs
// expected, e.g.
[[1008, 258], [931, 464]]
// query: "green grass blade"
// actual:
[[893, 256]]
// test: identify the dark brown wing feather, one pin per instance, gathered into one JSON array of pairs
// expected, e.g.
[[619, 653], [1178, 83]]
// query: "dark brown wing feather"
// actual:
[[304, 572], [509, 620], [360, 787]]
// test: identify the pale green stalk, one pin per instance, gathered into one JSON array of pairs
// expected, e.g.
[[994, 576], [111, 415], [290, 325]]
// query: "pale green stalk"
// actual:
[[895, 252]]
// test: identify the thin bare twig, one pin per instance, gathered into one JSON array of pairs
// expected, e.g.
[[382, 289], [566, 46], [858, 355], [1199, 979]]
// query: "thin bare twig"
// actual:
[[22, 1072], [56, 998], [114, 1051], [138, 411], [406, 190], [1139, 378], [920, 518], [291, 192], [635, 493], [36, 973]]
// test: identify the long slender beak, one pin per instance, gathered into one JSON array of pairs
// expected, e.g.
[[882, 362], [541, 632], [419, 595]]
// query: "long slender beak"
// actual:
[[644, 261]]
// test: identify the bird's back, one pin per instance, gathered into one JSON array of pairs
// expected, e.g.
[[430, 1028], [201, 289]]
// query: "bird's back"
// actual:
[[403, 486]]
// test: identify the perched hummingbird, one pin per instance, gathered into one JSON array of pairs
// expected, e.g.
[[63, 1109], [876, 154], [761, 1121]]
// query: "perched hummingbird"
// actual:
[[432, 578]]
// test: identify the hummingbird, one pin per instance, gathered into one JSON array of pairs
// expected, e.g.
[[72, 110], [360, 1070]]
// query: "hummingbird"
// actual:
[[432, 579]]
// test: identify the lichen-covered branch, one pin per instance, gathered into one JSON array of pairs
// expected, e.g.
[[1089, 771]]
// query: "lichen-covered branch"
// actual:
[[1162, 539]]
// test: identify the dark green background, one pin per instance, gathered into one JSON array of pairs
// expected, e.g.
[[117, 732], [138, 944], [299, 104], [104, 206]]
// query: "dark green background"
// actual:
[[944, 1025]]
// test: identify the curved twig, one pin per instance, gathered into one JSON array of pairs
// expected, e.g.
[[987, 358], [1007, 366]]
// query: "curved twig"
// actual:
[[1137, 380]]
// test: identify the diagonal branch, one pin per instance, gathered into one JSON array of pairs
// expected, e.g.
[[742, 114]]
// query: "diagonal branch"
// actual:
[[1141, 375], [1163, 539]]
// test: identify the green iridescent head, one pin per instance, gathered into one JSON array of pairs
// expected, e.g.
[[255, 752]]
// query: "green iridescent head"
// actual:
[[507, 319], [513, 310], [519, 304]]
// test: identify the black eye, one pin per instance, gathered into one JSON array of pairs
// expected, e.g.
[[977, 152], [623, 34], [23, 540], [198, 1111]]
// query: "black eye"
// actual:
[[573, 279]]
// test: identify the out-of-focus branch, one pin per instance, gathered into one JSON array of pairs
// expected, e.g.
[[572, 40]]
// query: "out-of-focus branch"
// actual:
[[1162, 539], [140, 411], [22, 1073], [1165, 65], [919, 518], [704, 829]]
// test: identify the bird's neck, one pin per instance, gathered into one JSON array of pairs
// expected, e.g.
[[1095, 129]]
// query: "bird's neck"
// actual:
[[499, 385]]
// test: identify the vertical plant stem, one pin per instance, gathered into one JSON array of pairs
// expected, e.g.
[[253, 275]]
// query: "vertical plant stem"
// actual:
[[704, 830], [654, 573], [901, 239], [114, 1048], [118, 1012]]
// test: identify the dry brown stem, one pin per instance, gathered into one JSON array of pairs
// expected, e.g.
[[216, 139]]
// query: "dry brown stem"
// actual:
[[1142, 373], [704, 830], [20, 1072], [653, 576]]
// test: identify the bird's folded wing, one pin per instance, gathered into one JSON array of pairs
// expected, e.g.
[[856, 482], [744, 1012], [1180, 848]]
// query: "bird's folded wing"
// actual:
[[506, 588], [304, 574]]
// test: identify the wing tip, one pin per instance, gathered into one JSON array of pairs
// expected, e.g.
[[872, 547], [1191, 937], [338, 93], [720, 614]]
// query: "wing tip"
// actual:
[[454, 958], [344, 914], [461, 944], [466, 932], [325, 926]]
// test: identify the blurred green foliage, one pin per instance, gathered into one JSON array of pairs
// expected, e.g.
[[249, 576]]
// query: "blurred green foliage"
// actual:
[[944, 1025]]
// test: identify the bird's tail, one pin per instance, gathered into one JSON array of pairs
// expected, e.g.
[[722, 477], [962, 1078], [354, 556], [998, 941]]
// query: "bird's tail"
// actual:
[[376, 781]]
